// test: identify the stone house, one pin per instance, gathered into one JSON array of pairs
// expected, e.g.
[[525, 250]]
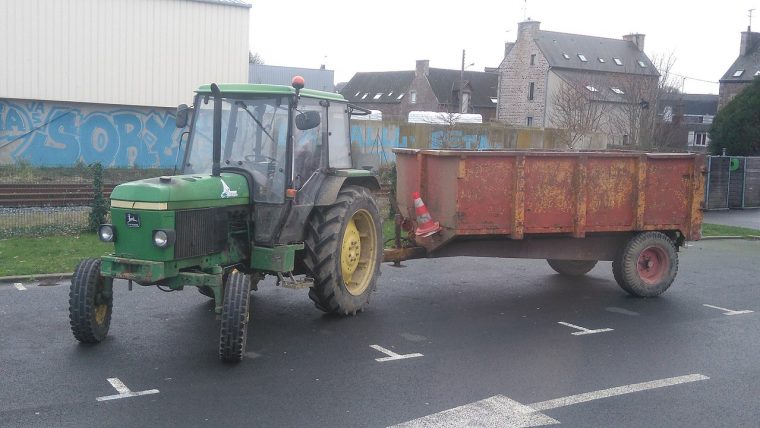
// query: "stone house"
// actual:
[[578, 83], [685, 120], [743, 70], [396, 93]]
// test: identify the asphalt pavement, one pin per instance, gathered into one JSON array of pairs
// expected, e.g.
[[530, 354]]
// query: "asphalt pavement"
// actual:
[[445, 341]]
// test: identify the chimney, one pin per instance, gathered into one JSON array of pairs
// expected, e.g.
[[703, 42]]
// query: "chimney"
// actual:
[[749, 39], [637, 39], [528, 30], [423, 67]]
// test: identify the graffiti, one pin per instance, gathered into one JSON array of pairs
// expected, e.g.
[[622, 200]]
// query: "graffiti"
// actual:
[[60, 134]]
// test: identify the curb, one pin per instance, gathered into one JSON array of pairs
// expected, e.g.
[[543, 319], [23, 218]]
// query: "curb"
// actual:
[[64, 275], [746, 237]]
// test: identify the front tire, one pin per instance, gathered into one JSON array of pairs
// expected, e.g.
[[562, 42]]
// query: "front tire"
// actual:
[[235, 316], [647, 265], [90, 302], [571, 267], [343, 252]]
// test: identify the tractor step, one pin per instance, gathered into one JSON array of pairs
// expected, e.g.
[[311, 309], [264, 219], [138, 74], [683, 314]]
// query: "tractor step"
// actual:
[[289, 281]]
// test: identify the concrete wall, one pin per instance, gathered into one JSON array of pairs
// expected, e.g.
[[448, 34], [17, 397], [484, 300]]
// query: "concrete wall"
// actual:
[[122, 52], [62, 134]]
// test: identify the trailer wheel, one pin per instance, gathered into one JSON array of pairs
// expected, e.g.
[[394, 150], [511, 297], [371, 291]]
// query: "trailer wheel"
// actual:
[[571, 267], [235, 316], [343, 251], [90, 302], [647, 265]]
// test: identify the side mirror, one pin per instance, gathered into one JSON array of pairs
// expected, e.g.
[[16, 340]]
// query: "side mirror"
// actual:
[[308, 120], [182, 114]]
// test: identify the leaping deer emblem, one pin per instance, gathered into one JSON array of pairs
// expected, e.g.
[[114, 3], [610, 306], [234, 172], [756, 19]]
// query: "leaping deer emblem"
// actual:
[[227, 192]]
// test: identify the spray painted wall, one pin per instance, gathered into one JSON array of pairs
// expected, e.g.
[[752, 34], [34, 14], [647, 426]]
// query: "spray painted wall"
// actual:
[[62, 134]]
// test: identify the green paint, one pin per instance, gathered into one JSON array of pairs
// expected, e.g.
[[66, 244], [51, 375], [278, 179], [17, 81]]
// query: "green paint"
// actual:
[[137, 242], [185, 191], [278, 259], [148, 271], [259, 89]]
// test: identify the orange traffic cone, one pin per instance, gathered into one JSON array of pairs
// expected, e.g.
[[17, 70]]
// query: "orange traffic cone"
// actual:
[[425, 224]]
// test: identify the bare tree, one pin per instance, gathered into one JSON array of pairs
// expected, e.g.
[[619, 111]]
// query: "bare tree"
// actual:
[[255, 58], [579, 110]]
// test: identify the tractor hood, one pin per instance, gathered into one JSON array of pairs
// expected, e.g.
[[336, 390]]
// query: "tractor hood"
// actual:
[[182, 192]]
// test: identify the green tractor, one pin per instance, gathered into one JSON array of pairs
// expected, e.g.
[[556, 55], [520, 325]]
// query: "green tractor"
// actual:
[[267, 186]]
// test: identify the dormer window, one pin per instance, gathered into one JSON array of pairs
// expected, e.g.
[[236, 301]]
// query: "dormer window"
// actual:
[[378, 95], [400, 96], [365, 95], [617, 91], [601, 60], [642, 64], [591, 88], [738, 73], [357, 94], [566, 56], [582, 58], [617, 61]]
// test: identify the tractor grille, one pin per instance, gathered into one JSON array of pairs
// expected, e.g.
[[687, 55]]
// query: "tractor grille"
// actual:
[[198, 233]]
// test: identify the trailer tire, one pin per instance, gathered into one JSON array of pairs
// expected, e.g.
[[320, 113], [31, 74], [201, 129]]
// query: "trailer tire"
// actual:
[[233, 334], [571, 267], [90, 302], [344, 252], [647, 265]]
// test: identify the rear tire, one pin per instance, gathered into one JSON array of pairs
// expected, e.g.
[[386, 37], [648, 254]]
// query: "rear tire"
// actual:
[[647, 265], [235, 316], [344, 252], [571, 267], [90, 302]]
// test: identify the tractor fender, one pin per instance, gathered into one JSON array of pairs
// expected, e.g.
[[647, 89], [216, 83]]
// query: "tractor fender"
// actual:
[[332, 184]]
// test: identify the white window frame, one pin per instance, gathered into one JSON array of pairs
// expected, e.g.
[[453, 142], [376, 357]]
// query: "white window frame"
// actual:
[[412, 97]]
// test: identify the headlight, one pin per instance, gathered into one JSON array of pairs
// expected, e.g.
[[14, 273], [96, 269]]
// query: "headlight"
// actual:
[[106, 233], [163, 238]]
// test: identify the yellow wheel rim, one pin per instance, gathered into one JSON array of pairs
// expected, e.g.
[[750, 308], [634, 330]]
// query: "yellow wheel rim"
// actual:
[[100, 314], [358, 255]]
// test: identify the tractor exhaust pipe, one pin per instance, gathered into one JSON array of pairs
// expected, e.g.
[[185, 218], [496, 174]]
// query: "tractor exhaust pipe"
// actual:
[[217, 133]]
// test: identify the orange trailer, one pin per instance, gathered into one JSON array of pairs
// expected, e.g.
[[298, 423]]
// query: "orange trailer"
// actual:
[[571, 208]]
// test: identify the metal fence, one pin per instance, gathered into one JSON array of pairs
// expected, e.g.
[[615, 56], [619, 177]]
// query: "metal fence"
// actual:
[[37, 201], [732, 182]]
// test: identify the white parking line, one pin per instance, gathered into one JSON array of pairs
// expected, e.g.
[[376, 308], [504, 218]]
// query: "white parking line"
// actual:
[[584, 330], [502, 411], [729, 311], [19, 286], [392, 355], [123, 391]]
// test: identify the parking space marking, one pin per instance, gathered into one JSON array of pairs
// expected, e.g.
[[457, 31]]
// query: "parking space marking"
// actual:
[[392, 355], [19, 286], [502, 411], [729, 311], [123, 391], [584, 330]]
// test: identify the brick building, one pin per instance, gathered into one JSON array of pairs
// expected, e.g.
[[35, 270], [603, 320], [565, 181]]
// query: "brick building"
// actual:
[[396, 93], [743, 70], [614, 76]]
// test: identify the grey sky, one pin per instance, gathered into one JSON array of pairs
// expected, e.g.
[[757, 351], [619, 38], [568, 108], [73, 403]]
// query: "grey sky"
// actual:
[[351, 36]]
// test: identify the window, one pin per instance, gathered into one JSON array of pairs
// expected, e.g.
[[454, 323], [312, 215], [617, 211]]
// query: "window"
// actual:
[[625, 140], [582, 58], [701, 139], [591, 88], [601, 60], [531, 88], [413, 97], [642, 64], [738, 73], [533, 59], [338, 142], [757, 73], [617, 61], [618, 91], [566, 56], [365, 95], [390, 94], [529, 121], [377, 96], [494, 100], [357, 94], [400, 96]]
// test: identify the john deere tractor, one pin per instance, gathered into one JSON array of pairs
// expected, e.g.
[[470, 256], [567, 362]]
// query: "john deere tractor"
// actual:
[[267, 186]]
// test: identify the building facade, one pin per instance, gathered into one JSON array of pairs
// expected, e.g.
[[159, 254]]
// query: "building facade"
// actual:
[[99, 80], [320, 79], [744, 69]]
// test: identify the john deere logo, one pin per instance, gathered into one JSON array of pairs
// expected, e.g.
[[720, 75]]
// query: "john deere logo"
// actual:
[[133, 220]]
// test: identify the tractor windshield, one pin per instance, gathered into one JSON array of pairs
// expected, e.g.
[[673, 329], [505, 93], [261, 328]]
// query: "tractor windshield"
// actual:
[[254, 135]]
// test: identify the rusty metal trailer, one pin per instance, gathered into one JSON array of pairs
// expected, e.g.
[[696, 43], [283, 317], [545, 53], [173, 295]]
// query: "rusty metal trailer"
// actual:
[[571, 208]]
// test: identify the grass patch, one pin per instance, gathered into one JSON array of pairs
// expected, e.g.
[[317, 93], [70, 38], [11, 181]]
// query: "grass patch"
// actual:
[[709, 229], [50, 254]]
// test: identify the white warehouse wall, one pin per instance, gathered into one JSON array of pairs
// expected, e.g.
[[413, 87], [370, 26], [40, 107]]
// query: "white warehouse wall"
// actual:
[[122, 52]]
